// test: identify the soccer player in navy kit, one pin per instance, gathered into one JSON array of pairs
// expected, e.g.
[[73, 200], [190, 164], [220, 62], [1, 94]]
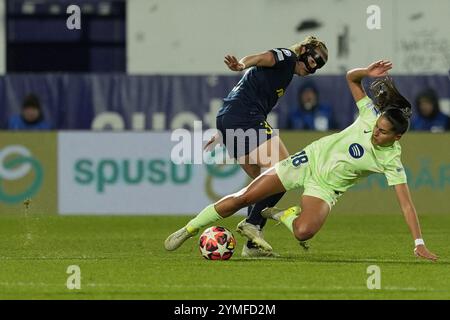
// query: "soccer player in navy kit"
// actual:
[[246, 108]]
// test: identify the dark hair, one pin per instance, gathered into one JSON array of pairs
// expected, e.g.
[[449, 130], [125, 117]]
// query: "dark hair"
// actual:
[[430, 95], [391, 103], [31, 100], [398, 118]]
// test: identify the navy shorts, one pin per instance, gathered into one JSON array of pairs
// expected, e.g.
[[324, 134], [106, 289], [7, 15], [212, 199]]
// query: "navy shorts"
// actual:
[[241, 135]]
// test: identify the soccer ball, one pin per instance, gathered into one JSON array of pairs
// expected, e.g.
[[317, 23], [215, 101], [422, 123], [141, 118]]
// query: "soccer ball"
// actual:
[[217, 243]]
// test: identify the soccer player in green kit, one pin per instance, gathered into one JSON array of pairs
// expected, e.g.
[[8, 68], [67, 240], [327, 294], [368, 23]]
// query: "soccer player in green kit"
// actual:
[[329, 166]]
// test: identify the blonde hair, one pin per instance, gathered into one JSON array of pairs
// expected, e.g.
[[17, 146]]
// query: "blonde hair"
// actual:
[[310, 40]]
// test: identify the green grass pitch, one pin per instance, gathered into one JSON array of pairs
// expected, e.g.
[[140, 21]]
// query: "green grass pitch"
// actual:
[[124, 258]]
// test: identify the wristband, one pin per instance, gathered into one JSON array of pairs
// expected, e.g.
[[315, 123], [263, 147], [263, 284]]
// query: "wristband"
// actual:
[[419, 242]]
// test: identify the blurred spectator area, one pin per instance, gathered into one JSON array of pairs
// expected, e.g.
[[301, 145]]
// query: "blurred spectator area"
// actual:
[[427, 113], [162, 102], [38, 39]]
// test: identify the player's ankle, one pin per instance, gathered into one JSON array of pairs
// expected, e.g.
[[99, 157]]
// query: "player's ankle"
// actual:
[[192, 230]]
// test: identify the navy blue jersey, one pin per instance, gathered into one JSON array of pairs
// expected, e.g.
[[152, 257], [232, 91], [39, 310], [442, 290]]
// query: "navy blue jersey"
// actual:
[[259, 89]]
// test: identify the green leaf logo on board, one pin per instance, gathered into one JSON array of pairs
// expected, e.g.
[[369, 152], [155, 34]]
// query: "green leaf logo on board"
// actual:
[[16, 163]]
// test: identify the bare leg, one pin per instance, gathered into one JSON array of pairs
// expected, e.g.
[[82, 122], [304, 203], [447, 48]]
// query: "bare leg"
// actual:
[[252, 170], [268, 154], [314, 213], [262, 187], [265, 156]]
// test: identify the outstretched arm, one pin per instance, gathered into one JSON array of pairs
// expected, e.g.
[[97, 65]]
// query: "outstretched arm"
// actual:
[[265, 59], [355, 76], [409, 212]]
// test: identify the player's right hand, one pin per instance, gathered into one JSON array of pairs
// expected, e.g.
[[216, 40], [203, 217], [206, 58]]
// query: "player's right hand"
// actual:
[[233, 64], [422, 251]]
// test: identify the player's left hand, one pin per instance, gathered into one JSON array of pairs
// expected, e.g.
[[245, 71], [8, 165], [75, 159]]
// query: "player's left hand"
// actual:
[[422, 251], [233, 63]]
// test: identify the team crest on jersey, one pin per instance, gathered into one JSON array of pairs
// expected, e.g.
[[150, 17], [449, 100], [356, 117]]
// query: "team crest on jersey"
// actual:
[[280, 92], [356, 150], [286, 52]]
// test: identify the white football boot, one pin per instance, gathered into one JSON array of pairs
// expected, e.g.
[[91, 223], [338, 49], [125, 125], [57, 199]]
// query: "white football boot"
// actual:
[[254, 234], [257, 253], [176, 239]]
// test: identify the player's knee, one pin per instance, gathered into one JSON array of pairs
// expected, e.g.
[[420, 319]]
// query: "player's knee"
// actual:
[[303, 231]]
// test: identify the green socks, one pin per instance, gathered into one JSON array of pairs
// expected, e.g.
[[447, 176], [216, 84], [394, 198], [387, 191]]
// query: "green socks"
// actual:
[[205, 217], [210, 215], [288, 217]]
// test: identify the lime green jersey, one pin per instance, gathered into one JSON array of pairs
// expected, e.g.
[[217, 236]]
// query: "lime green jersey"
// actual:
[[340, 159]]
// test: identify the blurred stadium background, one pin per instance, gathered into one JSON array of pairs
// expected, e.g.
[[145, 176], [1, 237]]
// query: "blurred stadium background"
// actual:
[[112, 91]]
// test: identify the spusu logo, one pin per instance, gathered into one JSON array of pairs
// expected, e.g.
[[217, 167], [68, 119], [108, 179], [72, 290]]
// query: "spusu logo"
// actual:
[[16, 163]]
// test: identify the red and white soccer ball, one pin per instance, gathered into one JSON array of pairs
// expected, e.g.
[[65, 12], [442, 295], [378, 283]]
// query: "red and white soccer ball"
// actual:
[[217, 243]]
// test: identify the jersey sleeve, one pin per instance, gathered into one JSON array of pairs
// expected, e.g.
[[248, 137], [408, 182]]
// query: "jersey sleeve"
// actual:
[[367, 109], [281, 55], [395, 172]]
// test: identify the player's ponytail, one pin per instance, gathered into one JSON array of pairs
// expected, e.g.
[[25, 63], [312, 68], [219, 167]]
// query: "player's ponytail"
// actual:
[[386, 95], [391, 103]]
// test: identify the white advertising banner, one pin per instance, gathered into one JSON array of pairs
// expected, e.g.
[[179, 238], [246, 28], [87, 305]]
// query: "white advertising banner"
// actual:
[[193, 36], [132, 173]]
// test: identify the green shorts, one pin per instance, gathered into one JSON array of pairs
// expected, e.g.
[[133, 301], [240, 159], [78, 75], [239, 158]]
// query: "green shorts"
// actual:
[[294, 175]]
